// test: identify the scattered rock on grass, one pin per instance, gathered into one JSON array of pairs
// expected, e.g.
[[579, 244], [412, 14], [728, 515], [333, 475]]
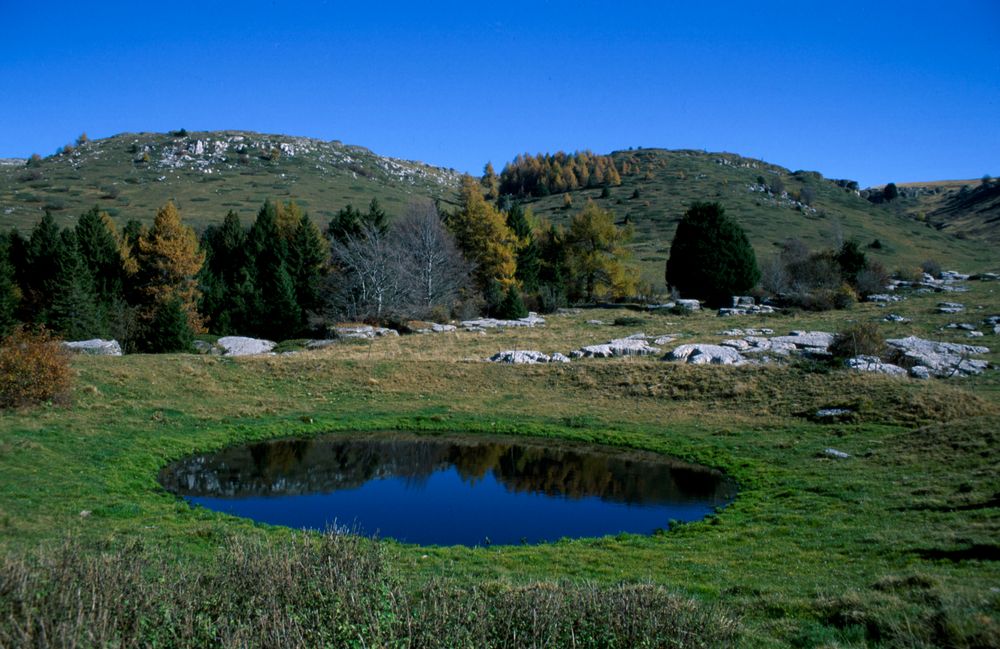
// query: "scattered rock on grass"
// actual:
[[942, 359], [520, 357], [950, 307], [874, 364], [532, 320], [95, 347], [634, 345], [243, 346], [705, 354], [834, 453]]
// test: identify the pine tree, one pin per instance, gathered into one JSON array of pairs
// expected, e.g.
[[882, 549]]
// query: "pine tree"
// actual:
[[275, 313], [170, 329], [168, 261], [100, 248], [307, 258], [74, 311], [512, 306], [9, 292], [37, 277], [483, 237], [345, 224], [710, 257]]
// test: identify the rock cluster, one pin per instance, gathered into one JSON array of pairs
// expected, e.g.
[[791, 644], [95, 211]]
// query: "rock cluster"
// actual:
[[940, 358], [243, 346], [705, 354], [361, 331], [634, 345], [482, 324], [526, 357]]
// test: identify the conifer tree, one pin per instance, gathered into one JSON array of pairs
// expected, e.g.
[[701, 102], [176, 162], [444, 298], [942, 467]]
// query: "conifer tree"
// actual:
[[275, 312], [512, 306], [100, 247], [490, 183], [40, 271], [307, 258], [74, 311], [597, 255], [168, 260], [527, 248], [9, 292], [483, 237], [170, 329]]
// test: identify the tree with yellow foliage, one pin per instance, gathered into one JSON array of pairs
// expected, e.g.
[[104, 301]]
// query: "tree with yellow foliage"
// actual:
[[597, 257], [483, 237], [168, 260]]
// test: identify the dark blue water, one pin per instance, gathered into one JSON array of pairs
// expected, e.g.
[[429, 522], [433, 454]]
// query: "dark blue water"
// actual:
[[450, 491]]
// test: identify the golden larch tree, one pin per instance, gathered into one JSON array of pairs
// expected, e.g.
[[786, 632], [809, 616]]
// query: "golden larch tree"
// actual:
[[483, 236]]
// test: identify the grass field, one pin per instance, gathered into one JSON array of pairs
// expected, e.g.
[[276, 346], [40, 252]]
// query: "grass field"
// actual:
[[895, 546]]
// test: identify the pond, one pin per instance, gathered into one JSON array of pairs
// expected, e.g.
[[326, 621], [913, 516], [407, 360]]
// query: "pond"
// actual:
[[450, 490]]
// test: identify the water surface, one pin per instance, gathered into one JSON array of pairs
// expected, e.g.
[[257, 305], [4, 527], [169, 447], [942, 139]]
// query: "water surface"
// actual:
[[454, 490]]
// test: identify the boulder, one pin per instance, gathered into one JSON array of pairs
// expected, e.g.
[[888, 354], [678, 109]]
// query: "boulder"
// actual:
[[243, 346], [743, 301], [745, 310], [532, 320], [833, 414], [941, 358], [874, 364], [704, 354], [634, 345], [895, 317], [95, 347], [920, 372], [950, 307], [834, 453], [558, 358], [320, 344], [688, 305], [361, 331], [519, 357], [811, 341], [884, 298]]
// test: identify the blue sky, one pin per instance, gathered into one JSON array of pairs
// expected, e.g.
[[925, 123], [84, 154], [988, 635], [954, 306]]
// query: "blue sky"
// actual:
[[877, 92]]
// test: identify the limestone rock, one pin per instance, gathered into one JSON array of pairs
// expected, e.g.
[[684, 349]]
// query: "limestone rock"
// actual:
[[95, 347], [688, 305], [920, 372], [558, 358], [833, 414], [895, 317], [834, 453], [941, 358], [884, 298], [874, 364], [362, 331], [811, 341], [635, 345], [532, 320], [519, 357], [950, 307], [753, 309], [704, 354], [243, 346]]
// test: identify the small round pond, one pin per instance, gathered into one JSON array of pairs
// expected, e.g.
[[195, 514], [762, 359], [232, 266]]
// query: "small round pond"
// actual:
[[454, 490]]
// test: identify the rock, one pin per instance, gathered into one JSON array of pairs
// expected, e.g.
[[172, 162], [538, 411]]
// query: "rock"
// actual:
[[595, 322], [746, 310], [743, 301], [806, 340], [747, 332], [884, 298], [950, 307], [874, 364], [567, 311], [996, 330], [243, 346], [975, 334], [920, 372], [688, 305], [666, 306], [833, 414], [519, 357], [95, 347], [942, 359], [834, 453], [953, 276], [558, 358], [532, 320], [362, 332], [704, 354], [321, 344], [203, 347], [635, 345], [895, 317], [664, 340], [986, 277], [443, 328], [962, 325]]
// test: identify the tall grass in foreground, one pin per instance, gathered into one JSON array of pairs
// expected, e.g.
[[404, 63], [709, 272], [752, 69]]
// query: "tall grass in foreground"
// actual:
[[333, 591]]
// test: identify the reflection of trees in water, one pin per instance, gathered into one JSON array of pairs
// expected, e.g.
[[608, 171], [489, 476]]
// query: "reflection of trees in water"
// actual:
[[321, 465]]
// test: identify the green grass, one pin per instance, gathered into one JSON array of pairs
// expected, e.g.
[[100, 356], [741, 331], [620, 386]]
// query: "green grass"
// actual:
[[896, 545]]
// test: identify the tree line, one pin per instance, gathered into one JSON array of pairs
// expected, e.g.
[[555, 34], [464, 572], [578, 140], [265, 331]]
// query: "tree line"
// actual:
[[545, 174], [153, 288]]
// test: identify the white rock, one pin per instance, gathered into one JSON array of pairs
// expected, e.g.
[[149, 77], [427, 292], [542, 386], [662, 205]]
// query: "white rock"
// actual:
[[806, 340], [834, 453], [941, 358], [884, 298], [920, 372], [832, 413], [519, 357], [243, 346], [689, 305], [95, 347], [874, 364], [663, 340], [558, 358], [704, 354], [631, 346], [950, 307], [532, 320], [894, 317]]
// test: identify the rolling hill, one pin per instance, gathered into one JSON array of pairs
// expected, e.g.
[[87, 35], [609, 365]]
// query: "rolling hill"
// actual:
[[210, 173]]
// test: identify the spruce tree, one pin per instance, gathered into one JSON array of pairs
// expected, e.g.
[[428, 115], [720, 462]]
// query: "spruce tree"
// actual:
[[170, 329], [512, 306], [528, 261], [41, 270], [276, 314], [8, 289], [74, 312], [710, 257], [307, 257], [100, 249]]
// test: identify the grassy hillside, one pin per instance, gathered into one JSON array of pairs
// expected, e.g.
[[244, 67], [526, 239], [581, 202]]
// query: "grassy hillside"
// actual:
[[965, 209], [207, 174], [664, 183]]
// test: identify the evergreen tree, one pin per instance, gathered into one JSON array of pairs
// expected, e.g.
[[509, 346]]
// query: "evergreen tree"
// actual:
[[512, 306], [9, 292], [101, 251], [528, 262], [553, 270], [345, 224], [170, 329], [226, 279], [275, 312], [307, 258], [710, 256], [74, 312], [851, 260], [39, 274]]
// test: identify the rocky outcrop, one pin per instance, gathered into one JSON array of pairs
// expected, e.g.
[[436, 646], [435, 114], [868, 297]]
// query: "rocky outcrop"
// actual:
[[806, 341], [243, 346], [634, 345], [704, 354], [95, 347], [753, 309], [940, 358], [950, 307], [361, 331], [874, 364], [481, 324], [526, 357]]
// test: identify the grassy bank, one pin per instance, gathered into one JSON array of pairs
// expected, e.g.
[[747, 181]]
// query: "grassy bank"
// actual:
[[895, 545]]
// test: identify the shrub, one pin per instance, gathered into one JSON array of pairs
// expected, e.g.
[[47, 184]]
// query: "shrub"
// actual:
[[931, 267], [872, 279], [34, 368], [863, 338]]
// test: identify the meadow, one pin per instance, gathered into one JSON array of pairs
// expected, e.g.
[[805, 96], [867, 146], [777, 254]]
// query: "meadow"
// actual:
[[894, 546]]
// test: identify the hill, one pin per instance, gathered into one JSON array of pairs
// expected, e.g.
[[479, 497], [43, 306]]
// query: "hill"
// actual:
[[660, 185], [207, 174], [966, 209]]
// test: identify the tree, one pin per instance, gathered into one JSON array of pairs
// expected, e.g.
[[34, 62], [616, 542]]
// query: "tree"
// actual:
[[597, 257], [349, 222], [38, 273], [490, 183], [527, 248], [101, 249], [434, 271], [512, 306], [275, 312], [851, 260], [74, 312], [710, 256], [890, 193], [170, 329], [168, 259], [9, 292], [483, 237], [368, 285], [308, 253]]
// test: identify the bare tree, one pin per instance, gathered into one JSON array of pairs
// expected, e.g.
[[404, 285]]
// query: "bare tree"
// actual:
[[433, 269], [369, 285]]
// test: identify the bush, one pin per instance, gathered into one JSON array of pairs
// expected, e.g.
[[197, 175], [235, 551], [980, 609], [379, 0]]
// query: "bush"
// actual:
[[931, 267], [861, 339], [710, 256], [34, 368], [872, 279]]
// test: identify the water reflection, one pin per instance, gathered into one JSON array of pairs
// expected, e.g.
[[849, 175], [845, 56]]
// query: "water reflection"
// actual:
[[419, 484]]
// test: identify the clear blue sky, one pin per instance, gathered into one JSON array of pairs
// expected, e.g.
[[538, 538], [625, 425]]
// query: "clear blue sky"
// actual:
[[874, 91]]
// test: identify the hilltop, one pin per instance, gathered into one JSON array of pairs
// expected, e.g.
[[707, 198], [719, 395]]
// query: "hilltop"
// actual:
[[207, 174]]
